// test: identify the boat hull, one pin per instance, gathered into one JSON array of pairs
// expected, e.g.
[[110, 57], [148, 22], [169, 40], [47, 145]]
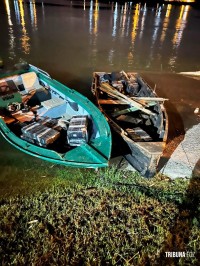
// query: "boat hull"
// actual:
[[143, 158], [142, 155], [93, 154]]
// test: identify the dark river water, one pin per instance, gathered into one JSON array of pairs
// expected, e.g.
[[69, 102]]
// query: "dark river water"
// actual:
[[72, 41]]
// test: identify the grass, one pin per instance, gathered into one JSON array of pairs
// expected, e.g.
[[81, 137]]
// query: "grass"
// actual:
[[53, 215]]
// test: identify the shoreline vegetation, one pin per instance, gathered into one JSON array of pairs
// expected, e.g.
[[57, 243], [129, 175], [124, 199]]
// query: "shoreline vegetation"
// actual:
[[54, 215]]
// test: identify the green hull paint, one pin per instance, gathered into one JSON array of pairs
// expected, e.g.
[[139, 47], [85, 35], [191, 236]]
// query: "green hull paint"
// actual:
[[95, 154]]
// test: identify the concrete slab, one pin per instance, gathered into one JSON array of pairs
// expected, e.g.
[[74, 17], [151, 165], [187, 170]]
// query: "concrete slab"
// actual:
[[185, 157]]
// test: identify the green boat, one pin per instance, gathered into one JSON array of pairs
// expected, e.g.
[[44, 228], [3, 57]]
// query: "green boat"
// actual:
[[46, 119]]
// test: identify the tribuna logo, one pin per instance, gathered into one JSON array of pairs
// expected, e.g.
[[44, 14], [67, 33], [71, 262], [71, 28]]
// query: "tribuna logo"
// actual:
[[179, 254]]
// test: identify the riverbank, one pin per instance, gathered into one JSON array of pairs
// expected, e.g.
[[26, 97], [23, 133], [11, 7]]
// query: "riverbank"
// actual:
[[57, 215], [76, 217]]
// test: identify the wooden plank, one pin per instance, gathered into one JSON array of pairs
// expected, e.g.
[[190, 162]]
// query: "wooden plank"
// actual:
[[8, 119], [125, 74], [125, 111], [129, 119], [111, 91], [110, 101], [138, 134], [149, 99], [24, 117], [117, 128]]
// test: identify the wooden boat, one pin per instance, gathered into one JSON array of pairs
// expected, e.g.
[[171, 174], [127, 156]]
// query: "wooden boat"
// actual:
[[44, 118], [136, 113]]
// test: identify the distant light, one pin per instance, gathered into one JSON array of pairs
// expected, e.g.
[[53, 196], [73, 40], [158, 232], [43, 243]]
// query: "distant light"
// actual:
[[182, 1]]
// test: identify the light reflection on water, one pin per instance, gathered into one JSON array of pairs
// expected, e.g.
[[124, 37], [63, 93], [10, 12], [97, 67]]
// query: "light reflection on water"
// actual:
[[181, 23], [33, 14], [10, 31], [165, 23], [25, 37], [122, 36]]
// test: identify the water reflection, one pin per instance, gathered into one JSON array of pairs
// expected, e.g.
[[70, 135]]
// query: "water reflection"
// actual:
[[156, 28], [8, 12], [133, 34], [184, 1], [93, 17], [25, 38], [11, 32], [16, 6], [180, 26], [135, 23], [165, 24], [144, 9], [93, 29], [115, 18], [156, 24], [33, 14], [123, 19], [134, 31]]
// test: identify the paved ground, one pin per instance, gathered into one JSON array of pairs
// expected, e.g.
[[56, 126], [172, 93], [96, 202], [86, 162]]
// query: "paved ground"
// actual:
[[181, 157], [185, 157]]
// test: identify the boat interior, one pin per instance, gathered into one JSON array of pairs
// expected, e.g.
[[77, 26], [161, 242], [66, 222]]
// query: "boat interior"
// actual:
[[40, 114], [132, 105]]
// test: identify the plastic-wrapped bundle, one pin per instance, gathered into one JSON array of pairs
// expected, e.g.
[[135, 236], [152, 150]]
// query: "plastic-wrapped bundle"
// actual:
[[39, 134], [47, 136], [77, 132]]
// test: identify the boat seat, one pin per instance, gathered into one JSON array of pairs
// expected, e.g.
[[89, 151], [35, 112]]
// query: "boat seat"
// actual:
[[30, 82], [52, 103], [53, 108]]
